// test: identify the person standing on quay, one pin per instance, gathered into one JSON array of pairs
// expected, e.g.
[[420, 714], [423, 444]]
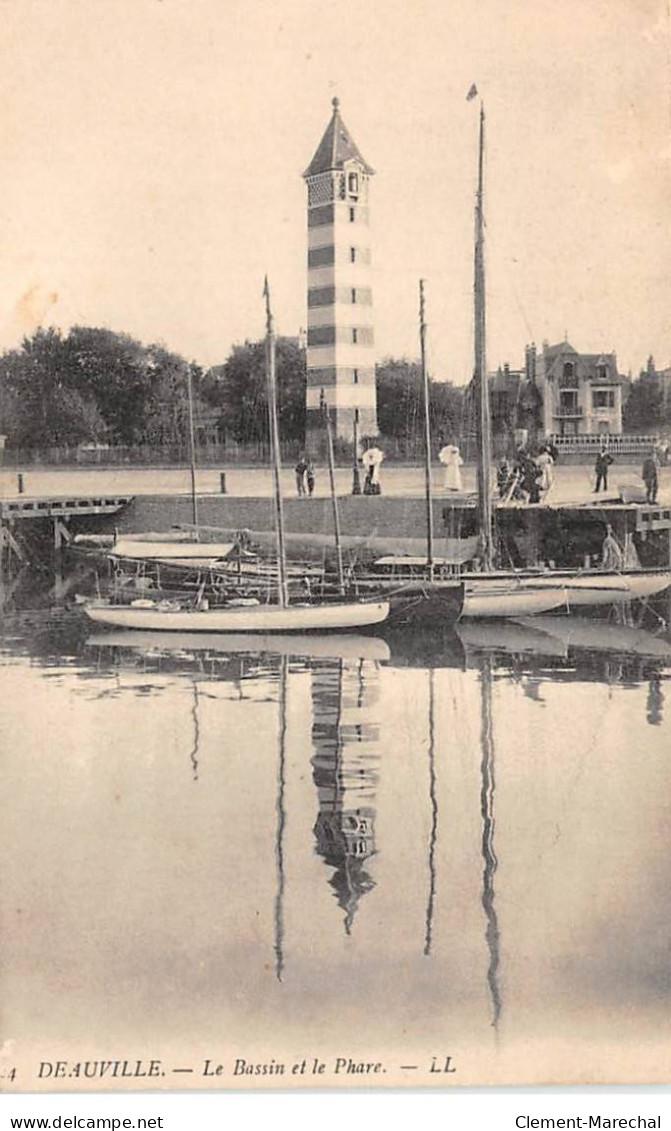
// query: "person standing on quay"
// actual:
[[650, 476], [603, 462], [310, 477], [300, 470], [450, 457]]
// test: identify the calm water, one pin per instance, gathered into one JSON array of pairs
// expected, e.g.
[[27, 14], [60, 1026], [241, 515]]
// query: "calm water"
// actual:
[[387, 849]]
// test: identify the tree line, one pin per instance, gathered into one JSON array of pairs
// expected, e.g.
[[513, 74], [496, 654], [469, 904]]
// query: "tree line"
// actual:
[[94, 385]]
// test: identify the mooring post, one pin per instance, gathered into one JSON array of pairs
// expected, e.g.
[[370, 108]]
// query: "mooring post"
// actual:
[[19, 482], [222, 482]]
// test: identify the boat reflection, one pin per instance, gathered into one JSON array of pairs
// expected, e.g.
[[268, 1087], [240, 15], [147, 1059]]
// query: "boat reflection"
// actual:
[[308, 646]]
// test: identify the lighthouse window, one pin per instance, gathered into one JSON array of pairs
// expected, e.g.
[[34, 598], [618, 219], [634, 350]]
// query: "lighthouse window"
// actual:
[[352, 255], [356, 377], [353, 184], [353, 294], [355, 336], [352, 215]]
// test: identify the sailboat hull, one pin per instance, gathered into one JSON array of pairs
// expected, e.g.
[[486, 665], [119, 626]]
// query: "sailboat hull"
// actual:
[[336, 617], [593, 588], [485, 598]]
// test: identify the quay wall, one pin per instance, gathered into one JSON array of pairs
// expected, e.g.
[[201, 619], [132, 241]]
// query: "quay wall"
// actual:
[[568, 535], [359, 515]]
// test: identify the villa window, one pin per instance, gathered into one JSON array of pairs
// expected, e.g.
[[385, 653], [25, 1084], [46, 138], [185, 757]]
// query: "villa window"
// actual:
[[603, 398]]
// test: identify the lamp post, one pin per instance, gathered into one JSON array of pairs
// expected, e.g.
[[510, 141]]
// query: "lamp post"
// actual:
[[356, 480]]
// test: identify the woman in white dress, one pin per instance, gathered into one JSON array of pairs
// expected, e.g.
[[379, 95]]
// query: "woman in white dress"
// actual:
[[546, 463], [450, 457]]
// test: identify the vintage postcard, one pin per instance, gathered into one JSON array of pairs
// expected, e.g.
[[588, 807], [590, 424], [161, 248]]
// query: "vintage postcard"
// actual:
[[335, 418]]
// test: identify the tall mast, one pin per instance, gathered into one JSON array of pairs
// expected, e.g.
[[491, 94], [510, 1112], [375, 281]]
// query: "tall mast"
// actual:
[[283, 595], [480, 372], [427, 435], [334, 499], [192, 450]]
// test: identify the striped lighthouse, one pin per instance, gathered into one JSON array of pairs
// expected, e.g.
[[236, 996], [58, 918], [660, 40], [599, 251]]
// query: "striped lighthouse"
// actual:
[[340, 353]]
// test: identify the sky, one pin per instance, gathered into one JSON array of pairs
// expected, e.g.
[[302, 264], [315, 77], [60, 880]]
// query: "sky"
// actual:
[[151, 154]]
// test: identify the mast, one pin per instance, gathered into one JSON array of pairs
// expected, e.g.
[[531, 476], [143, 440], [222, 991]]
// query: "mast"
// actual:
[[480, 372], [283, 595], [192, 450], [334, 500], [427, 435]]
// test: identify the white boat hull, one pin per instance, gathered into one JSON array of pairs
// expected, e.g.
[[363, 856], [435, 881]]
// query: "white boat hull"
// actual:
[[337, 617], [501, 595], [189, 552], [605, 588], [497, 599]]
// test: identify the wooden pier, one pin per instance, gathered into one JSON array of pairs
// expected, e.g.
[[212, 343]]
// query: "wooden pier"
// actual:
[[54, 509]]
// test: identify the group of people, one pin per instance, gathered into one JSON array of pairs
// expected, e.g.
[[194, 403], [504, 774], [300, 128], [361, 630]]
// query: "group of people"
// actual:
[[371, 460], [527, 478]]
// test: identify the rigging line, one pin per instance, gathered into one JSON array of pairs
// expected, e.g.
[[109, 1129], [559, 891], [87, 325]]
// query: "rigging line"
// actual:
[[428, 938], [281, 822]]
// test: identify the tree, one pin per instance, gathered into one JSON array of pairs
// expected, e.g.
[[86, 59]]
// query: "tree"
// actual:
[[644, 407], [91, 384], [238, 389], [400, 407], [47, 409], [119, 372]]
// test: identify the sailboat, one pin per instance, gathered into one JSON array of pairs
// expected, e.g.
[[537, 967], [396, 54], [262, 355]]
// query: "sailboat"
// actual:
[[493, 593], [416, 596], [248, 614]]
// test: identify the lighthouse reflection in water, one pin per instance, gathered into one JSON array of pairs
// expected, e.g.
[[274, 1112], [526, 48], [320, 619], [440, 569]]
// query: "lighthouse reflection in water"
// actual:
[[423, 847]]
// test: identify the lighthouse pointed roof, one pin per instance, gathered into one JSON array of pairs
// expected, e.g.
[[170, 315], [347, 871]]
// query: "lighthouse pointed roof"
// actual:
[[335, 148]]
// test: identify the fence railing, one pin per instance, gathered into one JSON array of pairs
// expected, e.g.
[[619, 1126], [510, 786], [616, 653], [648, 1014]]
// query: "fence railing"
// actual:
[[621, 443], [145, 455], [231, 454]]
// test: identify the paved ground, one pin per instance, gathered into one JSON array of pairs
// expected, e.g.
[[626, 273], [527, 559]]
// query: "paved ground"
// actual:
[[572, 483]]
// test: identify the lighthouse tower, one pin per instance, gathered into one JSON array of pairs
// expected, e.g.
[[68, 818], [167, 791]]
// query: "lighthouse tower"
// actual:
[[340, 356]]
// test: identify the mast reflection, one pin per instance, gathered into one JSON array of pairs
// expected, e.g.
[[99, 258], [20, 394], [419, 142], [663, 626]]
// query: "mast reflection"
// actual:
[[428, 937], [346, 776], [281, 820], [487, 788]]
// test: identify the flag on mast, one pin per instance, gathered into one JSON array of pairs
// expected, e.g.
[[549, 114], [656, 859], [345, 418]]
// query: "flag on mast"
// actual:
[[473, 93]]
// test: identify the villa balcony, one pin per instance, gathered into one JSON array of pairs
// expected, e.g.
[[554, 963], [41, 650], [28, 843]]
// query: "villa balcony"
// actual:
[[567, 412]]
